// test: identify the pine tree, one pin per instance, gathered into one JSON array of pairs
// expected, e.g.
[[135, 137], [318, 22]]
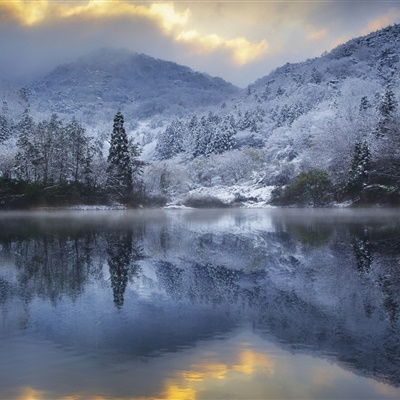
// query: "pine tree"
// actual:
[[222, 137], [4, 129], [5, 125], [170, 142], [386, 110], [119, 169], [201, 137], [27, 156], [360, 167]]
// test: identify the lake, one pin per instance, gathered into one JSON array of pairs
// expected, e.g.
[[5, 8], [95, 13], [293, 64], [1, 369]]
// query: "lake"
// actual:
[[200, 304]]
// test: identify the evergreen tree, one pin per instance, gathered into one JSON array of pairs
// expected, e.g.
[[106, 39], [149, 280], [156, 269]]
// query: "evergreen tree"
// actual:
[[4, 129], [27, 156], [5, 125], [386, 109], [201, 137], [170, 142], [222, 138], [119, 169], [360, 167]]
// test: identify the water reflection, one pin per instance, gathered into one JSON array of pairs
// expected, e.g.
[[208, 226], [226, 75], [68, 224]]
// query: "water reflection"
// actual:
[[200, 304], [123, 255]]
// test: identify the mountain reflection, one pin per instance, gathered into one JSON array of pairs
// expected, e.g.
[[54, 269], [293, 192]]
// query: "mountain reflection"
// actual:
[[143, 284]]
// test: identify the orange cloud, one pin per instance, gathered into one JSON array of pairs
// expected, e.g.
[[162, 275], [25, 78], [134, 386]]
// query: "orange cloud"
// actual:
[[313, 35], [25, 12], [392, 16], [243, 51], [172, 23]]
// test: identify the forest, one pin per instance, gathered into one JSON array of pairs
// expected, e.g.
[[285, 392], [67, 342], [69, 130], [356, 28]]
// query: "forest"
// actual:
[[322, 132], [57, 163]]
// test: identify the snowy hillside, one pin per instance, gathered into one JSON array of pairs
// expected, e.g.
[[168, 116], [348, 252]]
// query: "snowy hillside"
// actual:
[[299, 117], [95, 86], [321, 131]]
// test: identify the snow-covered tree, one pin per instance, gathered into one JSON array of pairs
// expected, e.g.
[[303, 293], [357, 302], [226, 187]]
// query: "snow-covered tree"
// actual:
[[80, 151], [27, 157], [170, 142], [360, 167], [386, 109], [5, 124], [221, 138], [202, 135], [119, 169]]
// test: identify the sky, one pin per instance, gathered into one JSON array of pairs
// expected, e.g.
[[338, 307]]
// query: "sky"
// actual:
[[239, 41]]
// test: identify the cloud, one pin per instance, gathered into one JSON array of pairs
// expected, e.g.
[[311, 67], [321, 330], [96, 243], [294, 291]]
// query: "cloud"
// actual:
[[392, 16], [314, 35], [242, 50], [240, 41], [172, 23]]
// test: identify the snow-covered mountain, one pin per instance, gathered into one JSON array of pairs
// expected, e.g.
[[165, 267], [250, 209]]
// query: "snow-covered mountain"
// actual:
[[95, 86], [305, 115], [203, 137]]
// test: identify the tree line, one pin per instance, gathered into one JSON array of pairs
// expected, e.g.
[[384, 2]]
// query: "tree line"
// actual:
[[59, 162], [374, 173], [353, 156]]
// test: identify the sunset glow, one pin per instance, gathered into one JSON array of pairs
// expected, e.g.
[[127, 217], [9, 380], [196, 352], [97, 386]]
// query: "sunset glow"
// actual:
[[230, 39]]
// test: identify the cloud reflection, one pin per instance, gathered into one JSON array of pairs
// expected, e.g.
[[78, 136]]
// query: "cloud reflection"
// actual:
[[189, 384]]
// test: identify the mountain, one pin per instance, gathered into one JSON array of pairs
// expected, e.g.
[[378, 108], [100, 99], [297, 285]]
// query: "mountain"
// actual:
[[300, 117], [204, 138], [372, 60], [95, 86]]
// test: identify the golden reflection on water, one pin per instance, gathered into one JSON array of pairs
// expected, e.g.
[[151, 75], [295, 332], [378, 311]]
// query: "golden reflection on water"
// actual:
[[186, 384], [240, 370], [174, 392], [251, 361], [189, 383], [28, 393]]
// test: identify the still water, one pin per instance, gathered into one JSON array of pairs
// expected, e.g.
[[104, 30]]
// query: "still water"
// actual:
[[200, 304]]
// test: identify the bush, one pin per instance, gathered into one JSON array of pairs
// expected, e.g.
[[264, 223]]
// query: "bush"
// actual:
[[310, 188], [204, 202]]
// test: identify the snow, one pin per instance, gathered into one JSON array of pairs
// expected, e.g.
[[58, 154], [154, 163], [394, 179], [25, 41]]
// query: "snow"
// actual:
[[300, 116], [257, 196], [98, 207]]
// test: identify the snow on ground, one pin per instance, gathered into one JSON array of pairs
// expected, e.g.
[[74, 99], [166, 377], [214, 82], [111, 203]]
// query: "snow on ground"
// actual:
[[251, 196], [98, 207]]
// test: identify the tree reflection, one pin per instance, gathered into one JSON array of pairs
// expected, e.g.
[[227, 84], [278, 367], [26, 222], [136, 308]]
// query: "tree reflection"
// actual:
[[61, 260], [363, 253], [51, 266], [123, 254], [328, 287]]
